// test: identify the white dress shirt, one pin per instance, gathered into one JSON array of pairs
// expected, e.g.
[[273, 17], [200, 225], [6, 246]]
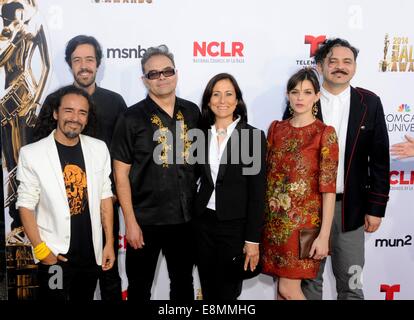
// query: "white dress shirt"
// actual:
[[215, 154], [335, 112]]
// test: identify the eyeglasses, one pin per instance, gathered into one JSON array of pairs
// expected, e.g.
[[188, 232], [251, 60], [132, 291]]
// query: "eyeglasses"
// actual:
[[154, 74]]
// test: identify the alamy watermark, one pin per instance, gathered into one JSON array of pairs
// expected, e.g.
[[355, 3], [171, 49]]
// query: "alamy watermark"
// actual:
[[355, 281], [56, 278], [245, 148]]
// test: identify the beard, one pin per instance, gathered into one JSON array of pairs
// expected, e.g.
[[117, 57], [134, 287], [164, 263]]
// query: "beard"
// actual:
[[71, 133], [85, 82]]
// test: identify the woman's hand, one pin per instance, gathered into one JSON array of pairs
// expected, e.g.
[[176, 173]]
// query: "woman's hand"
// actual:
[[320, 248], [251, 251]]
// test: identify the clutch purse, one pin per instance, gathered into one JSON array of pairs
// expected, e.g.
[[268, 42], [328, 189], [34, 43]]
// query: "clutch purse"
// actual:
[[306, 238], [237, 268]]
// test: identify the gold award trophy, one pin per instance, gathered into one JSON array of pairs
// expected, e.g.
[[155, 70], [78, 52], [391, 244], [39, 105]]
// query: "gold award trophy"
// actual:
[[23, 49], [384, 63]]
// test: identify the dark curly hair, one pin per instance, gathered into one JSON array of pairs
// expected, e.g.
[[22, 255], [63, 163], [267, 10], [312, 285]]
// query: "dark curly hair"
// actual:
[[327, 46], [82, 39], [207, 116], [45, 124]]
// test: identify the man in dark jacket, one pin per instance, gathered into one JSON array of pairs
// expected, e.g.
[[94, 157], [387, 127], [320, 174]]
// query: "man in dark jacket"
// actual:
[[363, 170]]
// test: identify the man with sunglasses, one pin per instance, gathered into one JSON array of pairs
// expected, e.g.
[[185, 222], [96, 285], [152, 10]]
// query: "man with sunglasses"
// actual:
[[155, 183]]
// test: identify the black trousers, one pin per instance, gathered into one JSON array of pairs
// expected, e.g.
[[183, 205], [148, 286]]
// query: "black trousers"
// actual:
[[67, 282], [110, 281], [218, 242], [176, 244]]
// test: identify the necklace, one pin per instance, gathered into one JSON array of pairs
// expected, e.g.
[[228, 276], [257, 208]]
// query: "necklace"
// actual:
[[221, 132]]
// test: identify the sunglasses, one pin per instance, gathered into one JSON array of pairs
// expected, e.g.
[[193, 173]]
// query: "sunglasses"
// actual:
[[154, 74]]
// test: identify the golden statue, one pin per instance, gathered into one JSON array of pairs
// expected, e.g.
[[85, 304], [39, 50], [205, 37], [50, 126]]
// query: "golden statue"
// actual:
[[22, 38], [25, 59], [384, 63]]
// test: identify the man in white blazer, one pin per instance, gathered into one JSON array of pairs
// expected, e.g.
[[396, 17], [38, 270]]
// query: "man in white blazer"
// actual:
[[65, 199]]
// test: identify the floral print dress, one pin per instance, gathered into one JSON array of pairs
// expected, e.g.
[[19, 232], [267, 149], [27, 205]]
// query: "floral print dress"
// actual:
[[301, 164]]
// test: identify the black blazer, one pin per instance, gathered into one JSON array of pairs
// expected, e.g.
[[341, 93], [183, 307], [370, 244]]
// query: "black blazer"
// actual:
[[238, 196], [367, 160]]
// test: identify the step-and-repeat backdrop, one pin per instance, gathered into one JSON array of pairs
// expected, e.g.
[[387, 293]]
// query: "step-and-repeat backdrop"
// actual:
[[261, 43]]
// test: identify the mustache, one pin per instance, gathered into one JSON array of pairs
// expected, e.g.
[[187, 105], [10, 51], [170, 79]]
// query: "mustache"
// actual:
[[73, 122], [340, 71], [84, 70]]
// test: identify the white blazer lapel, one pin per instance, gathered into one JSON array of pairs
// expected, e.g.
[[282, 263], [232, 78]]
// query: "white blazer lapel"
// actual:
[[53, 157], [89, 167]]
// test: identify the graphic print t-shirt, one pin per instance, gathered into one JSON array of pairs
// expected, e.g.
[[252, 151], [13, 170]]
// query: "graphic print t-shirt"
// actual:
[[74, 174]]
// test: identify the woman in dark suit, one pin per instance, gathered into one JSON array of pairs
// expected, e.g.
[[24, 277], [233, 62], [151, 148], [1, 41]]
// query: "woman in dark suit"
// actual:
[[230, 201]]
